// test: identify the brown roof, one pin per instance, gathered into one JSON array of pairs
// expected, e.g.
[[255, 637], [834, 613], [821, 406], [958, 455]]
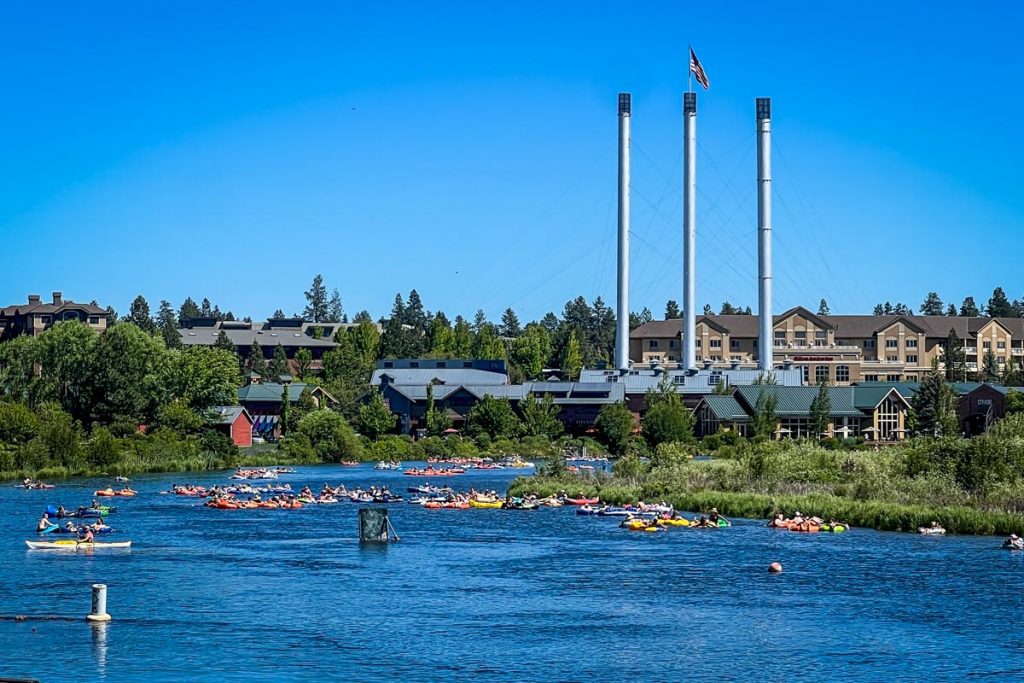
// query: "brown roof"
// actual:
[[25, 309], [852, 327]]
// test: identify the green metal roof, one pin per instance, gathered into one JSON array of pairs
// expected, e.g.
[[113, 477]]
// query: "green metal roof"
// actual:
[[725, 408], [270, 392], [796, 401]]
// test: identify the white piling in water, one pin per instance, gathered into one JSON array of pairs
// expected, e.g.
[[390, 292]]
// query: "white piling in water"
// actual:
[[99, 603]]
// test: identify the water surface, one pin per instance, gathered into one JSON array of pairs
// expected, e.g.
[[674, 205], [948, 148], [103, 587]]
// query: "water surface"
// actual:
[[494, 595]]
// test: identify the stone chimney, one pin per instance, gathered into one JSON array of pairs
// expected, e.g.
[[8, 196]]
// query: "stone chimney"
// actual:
[[58, 299], [33, 299]]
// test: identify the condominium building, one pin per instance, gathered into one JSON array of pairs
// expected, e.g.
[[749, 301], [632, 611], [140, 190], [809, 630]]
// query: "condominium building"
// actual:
[[35, 317], [840, 349]]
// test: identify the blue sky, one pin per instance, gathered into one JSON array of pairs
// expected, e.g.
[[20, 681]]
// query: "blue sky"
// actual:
[[233, 150]]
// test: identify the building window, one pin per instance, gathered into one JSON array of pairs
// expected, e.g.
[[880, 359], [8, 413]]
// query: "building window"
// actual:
[[1000, 360], [806, 371], [870, 378], [892, 343], [821, 373], [441, 365], [414, 364], [780, 337], [869, 343], [45, 319], [716, 343], [888, 419], [800, 336], [734, 344], [911, 343], [821, 335], [842, 373], [892, 378], [715, 358], [671, 343], [755, 343], [736, 358], [911, 357], [652, 344], [388, 364], [1001, 345], [679, 379], [715, 379], [986, 345], [94, 320]]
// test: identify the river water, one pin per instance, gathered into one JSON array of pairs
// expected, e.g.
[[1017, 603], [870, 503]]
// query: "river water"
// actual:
[[493, 595]]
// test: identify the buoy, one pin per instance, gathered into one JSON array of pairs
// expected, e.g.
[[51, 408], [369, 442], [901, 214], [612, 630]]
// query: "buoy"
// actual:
[[99, 603], [775, 568]]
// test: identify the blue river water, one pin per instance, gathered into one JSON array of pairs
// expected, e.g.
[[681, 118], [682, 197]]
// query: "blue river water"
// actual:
[[492, 595]]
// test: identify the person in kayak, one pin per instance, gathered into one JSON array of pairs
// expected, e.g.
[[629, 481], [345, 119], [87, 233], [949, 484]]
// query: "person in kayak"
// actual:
[[44, 523]]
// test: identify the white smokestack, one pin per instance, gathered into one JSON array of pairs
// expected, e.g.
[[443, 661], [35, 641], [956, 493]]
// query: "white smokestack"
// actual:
[[622, 309], [689, 359], [765, 349]]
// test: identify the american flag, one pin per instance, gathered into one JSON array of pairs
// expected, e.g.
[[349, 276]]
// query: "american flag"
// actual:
[[697, 70]]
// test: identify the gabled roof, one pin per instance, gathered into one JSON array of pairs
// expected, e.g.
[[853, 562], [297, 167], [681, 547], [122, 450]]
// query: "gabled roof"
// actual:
[[796, 401], [424, 376], [724, 408], [227, 415], [270, 392], [907, 320], [207, 336], [804, 313], [868, 398]]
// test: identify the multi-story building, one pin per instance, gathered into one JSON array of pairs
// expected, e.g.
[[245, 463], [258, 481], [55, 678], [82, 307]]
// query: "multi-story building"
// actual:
[[841, 349], [291, 334], [35, 316]]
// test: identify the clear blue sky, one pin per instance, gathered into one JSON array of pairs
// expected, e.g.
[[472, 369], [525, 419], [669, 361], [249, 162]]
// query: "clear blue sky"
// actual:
[[233, 150]]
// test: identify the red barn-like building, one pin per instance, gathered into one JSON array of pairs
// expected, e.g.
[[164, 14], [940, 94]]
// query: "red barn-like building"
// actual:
[[236, 423]]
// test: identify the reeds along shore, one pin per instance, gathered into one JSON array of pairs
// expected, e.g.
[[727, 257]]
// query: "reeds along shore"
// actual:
[[969, 486]]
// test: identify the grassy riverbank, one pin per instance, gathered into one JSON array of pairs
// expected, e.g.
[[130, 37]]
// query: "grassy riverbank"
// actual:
[[973, 486]]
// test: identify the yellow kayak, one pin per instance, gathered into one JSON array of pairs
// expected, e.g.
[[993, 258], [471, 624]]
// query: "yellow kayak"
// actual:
[[492, 504], [674, 522]]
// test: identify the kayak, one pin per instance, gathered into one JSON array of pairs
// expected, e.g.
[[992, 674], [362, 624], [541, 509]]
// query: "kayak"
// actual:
[[582, 501], [74, 545], [486, 504], [674, 522], [59, 530], [615, 512], [931, 531]]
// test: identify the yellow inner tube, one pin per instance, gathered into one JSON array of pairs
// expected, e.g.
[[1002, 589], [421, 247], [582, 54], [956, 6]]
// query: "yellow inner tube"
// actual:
[[674, 522], [485, 503]]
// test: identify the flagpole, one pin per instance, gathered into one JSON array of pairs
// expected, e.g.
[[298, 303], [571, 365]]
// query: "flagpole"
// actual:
[[689, 69]]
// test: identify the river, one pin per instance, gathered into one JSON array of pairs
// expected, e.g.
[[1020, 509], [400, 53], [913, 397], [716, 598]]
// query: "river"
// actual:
[[493, 595]]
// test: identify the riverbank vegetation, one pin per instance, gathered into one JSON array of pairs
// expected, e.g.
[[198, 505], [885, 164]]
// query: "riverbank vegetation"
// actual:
[[967, 485]]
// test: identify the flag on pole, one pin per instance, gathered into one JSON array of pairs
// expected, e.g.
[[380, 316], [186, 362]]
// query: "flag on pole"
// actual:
[[697, 70]]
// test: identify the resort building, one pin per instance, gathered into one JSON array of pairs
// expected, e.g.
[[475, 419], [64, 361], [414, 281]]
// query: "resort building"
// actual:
[[291, 334], [456, 385], [840, 349], [979, 404], [35, 316], [263, 400], [878, 413], [691, 384]]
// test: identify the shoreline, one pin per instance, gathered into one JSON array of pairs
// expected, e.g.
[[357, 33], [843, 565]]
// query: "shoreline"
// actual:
[[869, 514]]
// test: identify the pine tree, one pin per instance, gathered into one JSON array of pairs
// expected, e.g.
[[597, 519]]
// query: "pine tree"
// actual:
[[932, 304], [138, 315], [572, 358], [954, 358], [206, 310], [707, 309], [641, 318], [375, 417], [823, 308], [440, 338], [540, 416], [821, 410], [934, 407], [479, 320], [414, 315], [487, 345], [672, 310], [951, 310], [878, 310], [303, 360], [334, 310], [167, 323], [286, 407], [990, 369], [279, 364], [462, 339], [316, 301], [510, 324], [765, 419], [277, 314], [188, 309], [902, 309], [255, 362], [969, 309], [998, 305]]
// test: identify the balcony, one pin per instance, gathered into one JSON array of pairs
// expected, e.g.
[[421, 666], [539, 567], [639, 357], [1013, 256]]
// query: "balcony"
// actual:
[[971, 349], [828, 348], [1017, 352]]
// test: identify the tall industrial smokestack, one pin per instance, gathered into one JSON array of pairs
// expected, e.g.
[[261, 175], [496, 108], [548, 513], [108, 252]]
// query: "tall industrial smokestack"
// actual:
[[765, 349], [689, 229], [622, 310]]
